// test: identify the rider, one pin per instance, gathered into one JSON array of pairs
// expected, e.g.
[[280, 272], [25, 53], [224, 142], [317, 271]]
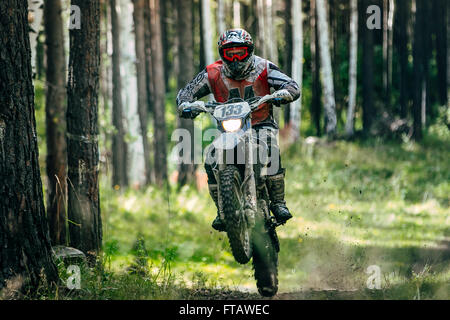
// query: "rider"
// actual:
[[241, 74]]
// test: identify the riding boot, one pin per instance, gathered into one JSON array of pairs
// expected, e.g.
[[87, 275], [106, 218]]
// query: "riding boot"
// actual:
[[275, 185], [217, 224]]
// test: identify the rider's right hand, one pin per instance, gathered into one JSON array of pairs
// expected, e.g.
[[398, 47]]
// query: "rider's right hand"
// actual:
[[186, 111]]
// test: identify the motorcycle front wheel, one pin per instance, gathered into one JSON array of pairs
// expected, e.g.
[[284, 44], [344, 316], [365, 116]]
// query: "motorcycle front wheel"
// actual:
[[238, 231]]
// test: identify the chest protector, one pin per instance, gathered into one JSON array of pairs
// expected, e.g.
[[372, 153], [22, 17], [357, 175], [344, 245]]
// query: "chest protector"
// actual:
[[256, 84]]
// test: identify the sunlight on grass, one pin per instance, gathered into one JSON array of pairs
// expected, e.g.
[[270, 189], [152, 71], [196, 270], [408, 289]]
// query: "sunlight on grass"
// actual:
[[354, 205]]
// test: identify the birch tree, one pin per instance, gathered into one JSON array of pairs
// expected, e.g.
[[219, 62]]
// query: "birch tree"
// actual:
[[207, 36], [135, 149], [297, 65], [353, 65], [326, 69], [236, 14], [221, 16], [35, 15], [261, 39]]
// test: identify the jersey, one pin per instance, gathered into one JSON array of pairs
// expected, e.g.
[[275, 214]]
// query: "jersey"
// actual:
[[264, 76]]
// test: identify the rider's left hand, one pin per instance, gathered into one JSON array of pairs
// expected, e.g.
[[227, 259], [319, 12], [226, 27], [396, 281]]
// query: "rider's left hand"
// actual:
[[281, 97]]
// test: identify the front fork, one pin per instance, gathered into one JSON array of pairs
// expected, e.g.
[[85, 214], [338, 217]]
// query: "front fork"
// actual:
[[248, 187]]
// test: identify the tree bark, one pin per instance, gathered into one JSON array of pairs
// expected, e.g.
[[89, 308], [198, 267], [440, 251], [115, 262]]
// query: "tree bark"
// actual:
[[441, 15], [353, 66], [165, 17], [85, 227], [159, 95], [261, 44], [326, 69], [186, 73], [139, 31], [206, 31], [297, 66], [35, 14], [55, 116], [367, 74], [287, 66], [25, 251], [221, 16], [418, 67], [315, 69], [119, 147], [236, 14], [403, 14]]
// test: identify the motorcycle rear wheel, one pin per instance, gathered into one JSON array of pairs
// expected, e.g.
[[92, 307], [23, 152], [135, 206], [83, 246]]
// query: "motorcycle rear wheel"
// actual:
[[265, 258]]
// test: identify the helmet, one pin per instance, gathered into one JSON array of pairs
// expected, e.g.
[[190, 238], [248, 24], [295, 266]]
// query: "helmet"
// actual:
[[236, 50]]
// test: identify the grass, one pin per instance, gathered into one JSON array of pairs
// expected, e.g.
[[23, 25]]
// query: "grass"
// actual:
[[354, 205]]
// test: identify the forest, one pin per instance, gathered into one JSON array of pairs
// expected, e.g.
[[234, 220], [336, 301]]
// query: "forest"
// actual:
[[95, 204]]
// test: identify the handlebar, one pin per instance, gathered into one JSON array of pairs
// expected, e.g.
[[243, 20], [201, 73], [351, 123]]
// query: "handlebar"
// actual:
[[201, 106]]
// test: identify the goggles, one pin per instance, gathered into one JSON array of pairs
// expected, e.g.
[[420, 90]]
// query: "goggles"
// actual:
[[239, 53]]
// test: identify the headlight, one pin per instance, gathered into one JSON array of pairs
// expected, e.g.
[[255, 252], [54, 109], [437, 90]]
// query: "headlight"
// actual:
[[232, 125]]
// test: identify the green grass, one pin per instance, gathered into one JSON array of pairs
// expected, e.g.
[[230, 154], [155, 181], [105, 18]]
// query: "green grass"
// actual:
[[354, 205]]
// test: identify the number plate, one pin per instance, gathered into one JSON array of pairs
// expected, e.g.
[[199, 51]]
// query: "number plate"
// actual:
[[232, 110]]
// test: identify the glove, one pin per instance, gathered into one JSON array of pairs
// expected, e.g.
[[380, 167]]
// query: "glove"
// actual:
[[282, 97], [185, 111]]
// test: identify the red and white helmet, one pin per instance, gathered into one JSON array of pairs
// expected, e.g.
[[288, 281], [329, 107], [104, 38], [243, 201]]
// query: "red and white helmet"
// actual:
[[236, 50]]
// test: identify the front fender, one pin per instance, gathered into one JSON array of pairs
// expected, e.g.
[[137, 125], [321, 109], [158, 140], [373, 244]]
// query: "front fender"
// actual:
[[228, 140]]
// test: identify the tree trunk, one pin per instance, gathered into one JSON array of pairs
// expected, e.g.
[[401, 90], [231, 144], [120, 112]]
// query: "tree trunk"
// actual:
[[440, 14], [35, 14], [206, 31], [326, 69], [388, 20], [221, 16], [119, 148], [139, 31], [287, 66], [390, 51], [368, 80], [165, 16], [25, 251], [315, 68], [403, 14], [385, 51], [236, 14], [159, 110], [261, 44], [353, 67], [418, 67], [297, 66], [55, 116], [85, 227], [135, 151], [186, 73]]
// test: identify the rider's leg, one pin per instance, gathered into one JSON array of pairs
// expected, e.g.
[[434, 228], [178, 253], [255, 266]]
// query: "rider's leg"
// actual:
[[217, 224], [275, 176]]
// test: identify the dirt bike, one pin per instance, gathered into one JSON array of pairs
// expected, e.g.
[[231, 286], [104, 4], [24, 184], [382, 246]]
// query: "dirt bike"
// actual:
[[243, 197]]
